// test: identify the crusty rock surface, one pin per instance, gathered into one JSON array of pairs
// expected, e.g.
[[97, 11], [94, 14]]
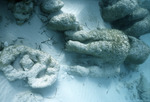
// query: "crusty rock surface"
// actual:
[[49, 6], [63, 22], [109, 44], [22, 11], [118, 9], [138, 52], [22, 62], [28, 96]]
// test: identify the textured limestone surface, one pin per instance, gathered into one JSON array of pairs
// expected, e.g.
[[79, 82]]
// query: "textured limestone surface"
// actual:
[[112, 11], [63, 22], [34, 66], [28, 96], [49, 6], [22, 11], [108, 44], [138, 52]]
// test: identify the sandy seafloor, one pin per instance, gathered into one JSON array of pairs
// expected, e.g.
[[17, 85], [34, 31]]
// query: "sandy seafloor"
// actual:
[[68, 88]]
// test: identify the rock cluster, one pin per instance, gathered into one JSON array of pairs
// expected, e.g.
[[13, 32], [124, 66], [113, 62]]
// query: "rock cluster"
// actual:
[[126, 15], [59, 21], [34, 66]]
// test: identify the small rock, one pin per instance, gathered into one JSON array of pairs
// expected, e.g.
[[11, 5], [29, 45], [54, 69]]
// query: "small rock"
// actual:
[[6, 44], [49, 6], [63, 22], [22, 11]]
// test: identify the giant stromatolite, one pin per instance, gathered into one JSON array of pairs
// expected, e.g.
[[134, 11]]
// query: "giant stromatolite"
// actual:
[[109, 44]]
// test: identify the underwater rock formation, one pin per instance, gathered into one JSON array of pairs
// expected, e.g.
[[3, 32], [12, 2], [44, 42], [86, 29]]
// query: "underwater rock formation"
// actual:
[[28, 96], [144, 89], [113, 10], [63, 22], [138, 52], [22, 11], [34, 66], [134, 22], [108, 44], [49, 6]]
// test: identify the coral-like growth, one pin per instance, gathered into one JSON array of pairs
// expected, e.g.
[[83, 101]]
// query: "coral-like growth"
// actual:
[[22, 62]]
